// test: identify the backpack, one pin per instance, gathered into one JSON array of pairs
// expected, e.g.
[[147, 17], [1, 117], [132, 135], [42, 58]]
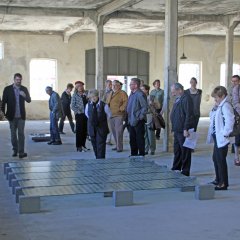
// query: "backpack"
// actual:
[[236, 126]]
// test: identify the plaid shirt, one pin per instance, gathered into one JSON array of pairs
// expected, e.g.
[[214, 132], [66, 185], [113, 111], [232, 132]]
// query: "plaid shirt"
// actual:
[[77, 104]]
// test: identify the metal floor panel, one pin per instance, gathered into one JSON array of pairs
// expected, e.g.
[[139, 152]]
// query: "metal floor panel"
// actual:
[[99, 179], [32, 180], [108, 187], [82, 167], [89, 173], [70, 162]]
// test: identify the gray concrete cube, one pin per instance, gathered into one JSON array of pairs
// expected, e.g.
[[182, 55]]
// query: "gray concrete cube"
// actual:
[[29, 204], [122, 198], [204, 192]]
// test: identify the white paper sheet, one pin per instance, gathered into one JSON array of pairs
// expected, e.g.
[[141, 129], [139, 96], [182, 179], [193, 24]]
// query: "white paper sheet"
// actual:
[[191, 141]]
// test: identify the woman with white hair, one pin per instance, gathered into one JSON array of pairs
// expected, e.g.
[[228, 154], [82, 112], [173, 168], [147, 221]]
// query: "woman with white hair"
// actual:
[[96, 113]]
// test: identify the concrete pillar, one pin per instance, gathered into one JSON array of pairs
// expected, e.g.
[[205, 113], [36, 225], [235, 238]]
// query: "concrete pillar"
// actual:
[[170, 63], [229, 52], [99, 81]]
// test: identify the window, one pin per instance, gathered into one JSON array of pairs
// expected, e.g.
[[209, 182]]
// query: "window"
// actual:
[[43, 73], [1, 50], [235, 71], [125, 80], [187, 71]]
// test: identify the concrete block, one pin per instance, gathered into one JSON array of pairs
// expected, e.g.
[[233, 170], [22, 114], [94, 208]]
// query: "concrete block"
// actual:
[[204, 192], [107, 194], [122, 198], [5, 165], [8, 170], [18, 192], [188, 189], [10, 177], [29, 204], [14, 184]]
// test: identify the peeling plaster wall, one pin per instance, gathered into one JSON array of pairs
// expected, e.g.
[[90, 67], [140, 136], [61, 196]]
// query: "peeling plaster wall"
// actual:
[[21, 48]]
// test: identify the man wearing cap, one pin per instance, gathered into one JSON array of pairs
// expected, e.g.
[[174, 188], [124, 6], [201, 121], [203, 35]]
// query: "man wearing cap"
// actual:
[[15, 96], [117, 102], [66, 101], [55, 108]]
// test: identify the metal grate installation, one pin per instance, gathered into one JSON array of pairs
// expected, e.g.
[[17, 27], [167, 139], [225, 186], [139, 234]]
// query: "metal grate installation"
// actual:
[[33, 180]]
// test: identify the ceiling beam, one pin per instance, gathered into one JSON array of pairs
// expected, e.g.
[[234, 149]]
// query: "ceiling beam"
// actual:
[[114, 6], [191, 29], [110, 8], [39, 11], [83, 23], [161, 16]]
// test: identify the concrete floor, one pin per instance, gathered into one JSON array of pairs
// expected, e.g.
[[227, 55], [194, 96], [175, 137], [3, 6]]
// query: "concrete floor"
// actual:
[[159, 214]]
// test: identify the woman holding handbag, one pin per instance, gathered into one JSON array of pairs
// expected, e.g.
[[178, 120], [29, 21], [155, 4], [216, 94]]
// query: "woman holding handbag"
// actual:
[[221, 125]]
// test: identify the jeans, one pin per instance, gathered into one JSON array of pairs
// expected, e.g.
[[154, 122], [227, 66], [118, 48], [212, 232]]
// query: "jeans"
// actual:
[[17, 135], [54, 132]]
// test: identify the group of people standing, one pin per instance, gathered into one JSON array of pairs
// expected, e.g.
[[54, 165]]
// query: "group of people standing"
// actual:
[[100, 114]]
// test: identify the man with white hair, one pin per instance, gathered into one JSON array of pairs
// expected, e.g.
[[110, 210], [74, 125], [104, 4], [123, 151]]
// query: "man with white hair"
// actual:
[[97, 123], [182, 118], [55, 108], [117, 102], [137, 113]]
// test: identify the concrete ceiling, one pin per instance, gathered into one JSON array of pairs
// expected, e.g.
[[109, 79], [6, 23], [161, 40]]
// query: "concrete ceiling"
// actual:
[[68, 17]]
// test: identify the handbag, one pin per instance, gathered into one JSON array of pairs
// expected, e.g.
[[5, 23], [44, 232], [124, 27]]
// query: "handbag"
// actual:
[[236, 126], [161, 120]]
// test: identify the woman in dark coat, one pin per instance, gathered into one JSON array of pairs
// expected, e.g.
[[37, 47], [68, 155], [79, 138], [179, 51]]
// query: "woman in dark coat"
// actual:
[[78, 103], [196, 95]]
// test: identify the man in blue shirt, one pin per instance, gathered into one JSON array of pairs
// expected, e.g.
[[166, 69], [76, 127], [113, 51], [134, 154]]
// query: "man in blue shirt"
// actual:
[[55, 108], [137, 111]]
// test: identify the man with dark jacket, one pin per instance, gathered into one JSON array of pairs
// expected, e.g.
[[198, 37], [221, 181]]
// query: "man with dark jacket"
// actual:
[[66, 102], [182, 119], [55, 108], [14, 96]]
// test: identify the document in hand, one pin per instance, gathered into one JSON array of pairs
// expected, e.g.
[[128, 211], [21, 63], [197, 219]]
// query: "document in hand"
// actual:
[[191, 141]]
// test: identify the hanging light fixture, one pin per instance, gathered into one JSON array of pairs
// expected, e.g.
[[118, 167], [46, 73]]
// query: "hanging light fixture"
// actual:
[[183, 57]]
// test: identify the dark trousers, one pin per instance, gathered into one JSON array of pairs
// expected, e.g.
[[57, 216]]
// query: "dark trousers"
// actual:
[[220, 163], [81, 130], [54, 132], [196, 121], [182, 155], [99, 144], [137, 140], [158, 131], [17, 135], [70, 119]]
